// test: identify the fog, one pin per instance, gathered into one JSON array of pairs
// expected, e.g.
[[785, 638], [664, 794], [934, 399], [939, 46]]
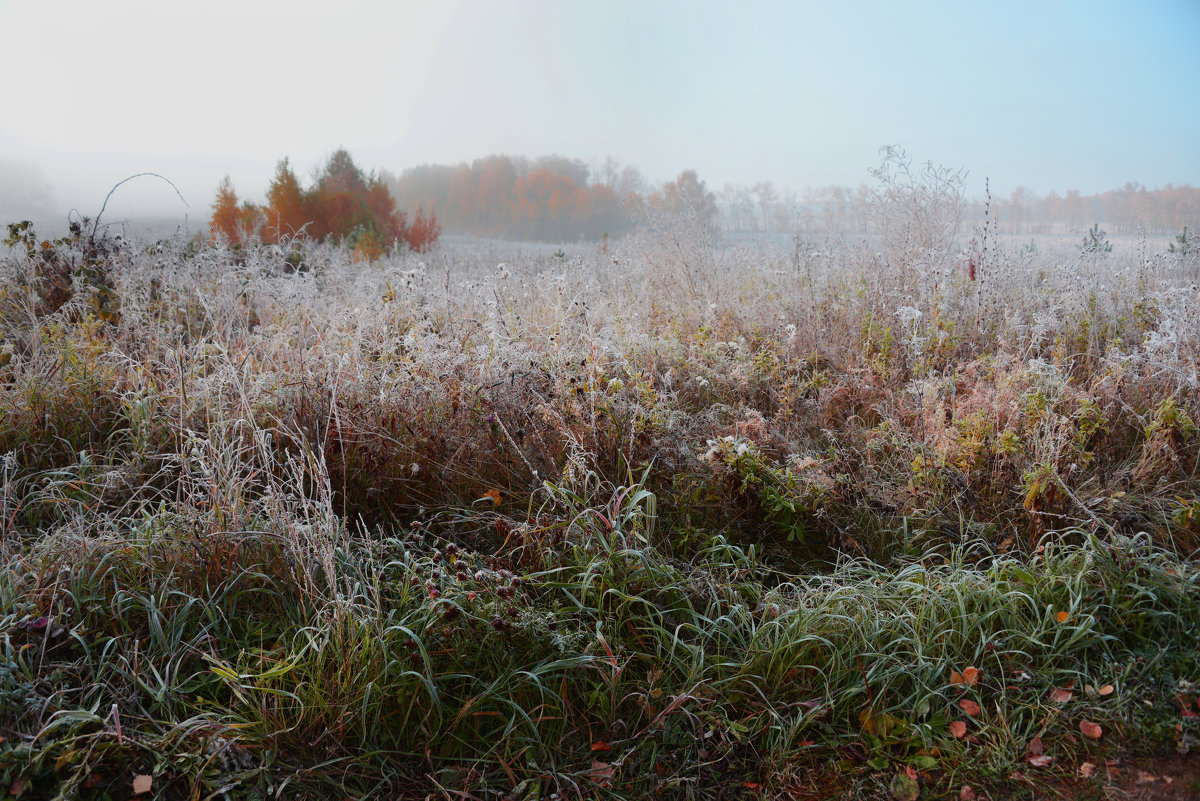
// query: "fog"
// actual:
[[1084, 96]]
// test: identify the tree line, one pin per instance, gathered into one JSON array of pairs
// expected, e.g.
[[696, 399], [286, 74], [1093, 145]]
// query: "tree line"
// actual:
[[548, 198], [761, 208], [551, 198], [344, 203], [554, 198]]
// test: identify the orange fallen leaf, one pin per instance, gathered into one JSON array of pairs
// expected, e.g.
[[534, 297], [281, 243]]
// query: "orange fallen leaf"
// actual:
[[958, 729], [1062, 617], [600, 745], [968, 678], [1060, 696], [142, 783], [493, 495], [969, 706], [1090, 730], [1107, 689]]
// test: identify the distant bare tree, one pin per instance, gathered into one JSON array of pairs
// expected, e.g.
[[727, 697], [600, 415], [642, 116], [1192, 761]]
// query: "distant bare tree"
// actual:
[[917, 213]]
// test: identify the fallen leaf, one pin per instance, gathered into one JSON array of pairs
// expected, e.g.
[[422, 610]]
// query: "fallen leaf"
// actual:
[[1090, 730], [970, 707], [752, 785], [142, 783], [1086, 770], [1035, 746], [601, 772], [968, 678], [1062, 617], [1060, 696], [967, 793], [600, 745], [493, 495], [958, 729], [905, 787], [1039, 760], [17, 787], [1145, 778], [1107, 689]]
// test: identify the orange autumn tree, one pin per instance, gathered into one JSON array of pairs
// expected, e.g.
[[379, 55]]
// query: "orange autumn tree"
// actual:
[[235, 223], [287, 214], [344, 204]]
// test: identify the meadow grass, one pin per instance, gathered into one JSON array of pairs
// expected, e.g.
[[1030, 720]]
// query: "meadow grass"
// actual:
[[665, 518]]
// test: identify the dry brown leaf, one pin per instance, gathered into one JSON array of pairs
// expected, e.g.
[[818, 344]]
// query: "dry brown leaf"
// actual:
[[600, 745], [142, 783], [967, 793], [1107, 689], [601, 772], [1090, 730], [1087, 770], [958, 729], [1039, 760], [1146, 778], [969, 706], [956, 677], [1035, 746], [1060, 696]]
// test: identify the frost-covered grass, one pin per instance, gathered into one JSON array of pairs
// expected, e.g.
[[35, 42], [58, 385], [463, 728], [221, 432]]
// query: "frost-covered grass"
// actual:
[[669, 518]]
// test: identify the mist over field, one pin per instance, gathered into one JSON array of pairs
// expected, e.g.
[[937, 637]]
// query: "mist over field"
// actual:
[[545, 400], [1074, 97]]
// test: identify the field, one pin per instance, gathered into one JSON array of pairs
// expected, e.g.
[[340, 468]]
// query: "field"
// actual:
[[663, 518]]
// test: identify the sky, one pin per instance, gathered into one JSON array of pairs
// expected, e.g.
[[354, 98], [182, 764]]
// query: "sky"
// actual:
[[1046, 95]]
